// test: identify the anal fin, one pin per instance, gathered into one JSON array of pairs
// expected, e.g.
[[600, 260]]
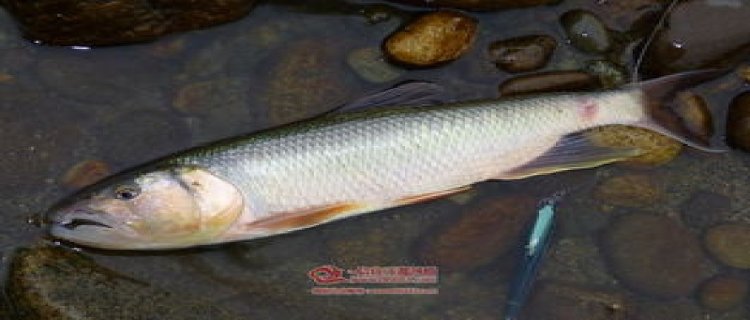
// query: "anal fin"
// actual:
[[571, 152]]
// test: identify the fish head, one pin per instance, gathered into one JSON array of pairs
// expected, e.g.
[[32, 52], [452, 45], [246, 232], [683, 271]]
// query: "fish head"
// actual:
[[168, 208]]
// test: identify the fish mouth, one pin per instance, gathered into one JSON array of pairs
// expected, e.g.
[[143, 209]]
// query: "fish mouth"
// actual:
[[78, 218]]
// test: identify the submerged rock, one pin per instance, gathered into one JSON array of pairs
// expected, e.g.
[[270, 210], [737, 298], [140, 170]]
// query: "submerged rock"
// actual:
[[305, 82], [722, 38], [704, 209], [479, 4], [610, 75], [655, 255], [723, 292], [55, 283], [657, 149], [522, 54], [433, 38], [483, 233], [730, 244], [548, 82], [632, 190], [694, 111], [738, 124], [586, 32], [220, 107], [98, 23], [553, 301]]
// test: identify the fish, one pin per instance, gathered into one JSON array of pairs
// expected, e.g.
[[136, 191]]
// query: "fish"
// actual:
[[362, 160], [539, 240]]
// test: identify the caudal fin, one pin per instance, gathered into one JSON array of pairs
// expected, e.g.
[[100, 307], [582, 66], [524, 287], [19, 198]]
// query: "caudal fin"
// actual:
[[661, 118]]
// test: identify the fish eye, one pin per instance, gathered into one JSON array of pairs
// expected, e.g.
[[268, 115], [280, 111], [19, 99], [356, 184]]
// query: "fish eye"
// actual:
[[127, 192]]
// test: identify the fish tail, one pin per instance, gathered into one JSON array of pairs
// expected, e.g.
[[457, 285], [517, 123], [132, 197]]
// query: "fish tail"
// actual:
[[660, 117]]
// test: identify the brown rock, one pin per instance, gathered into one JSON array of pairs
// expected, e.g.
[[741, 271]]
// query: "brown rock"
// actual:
[[479, 4], [548, 82], [657, 149], [745, 73], [523, 53], [730, 244], [723, 292], [738, 122], [693, 110], [432, 39], [304, 83], [553, 301], [54, 283], [98, 23], [632, 190], [586, 31], [484, 232], [682, 46], [86, 173], [655, 255]]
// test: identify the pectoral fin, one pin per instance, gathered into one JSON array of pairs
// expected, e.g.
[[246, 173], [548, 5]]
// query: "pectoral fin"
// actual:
[[431, 196], [570, 153], [307, 218]]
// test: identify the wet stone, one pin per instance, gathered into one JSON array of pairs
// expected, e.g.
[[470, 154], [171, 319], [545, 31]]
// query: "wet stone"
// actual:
[[479, 4], [586, 32], [55, 283], [632, 190], [305, 82], [610, 75], [111, 22], [723, 292], [704, 209], [623, 14], [730, 244], [655, 255], [694, 111], [682, 46], [657, 149], [745, 73], [432, 39], [484, 232], [371, 66], [522, 54], [738, 123], [553, 301], [85, 173], [548, 82]]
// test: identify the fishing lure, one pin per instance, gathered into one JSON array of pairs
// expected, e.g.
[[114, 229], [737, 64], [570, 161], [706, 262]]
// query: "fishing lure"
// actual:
[[535, 248]]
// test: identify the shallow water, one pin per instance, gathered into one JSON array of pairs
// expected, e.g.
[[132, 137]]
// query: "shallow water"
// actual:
[[62, 106]]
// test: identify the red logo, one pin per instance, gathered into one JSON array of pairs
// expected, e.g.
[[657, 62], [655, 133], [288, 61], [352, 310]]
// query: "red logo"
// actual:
[[327, 274]]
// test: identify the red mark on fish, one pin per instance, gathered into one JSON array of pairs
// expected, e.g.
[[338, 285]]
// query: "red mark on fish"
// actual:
[[588, 109]]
